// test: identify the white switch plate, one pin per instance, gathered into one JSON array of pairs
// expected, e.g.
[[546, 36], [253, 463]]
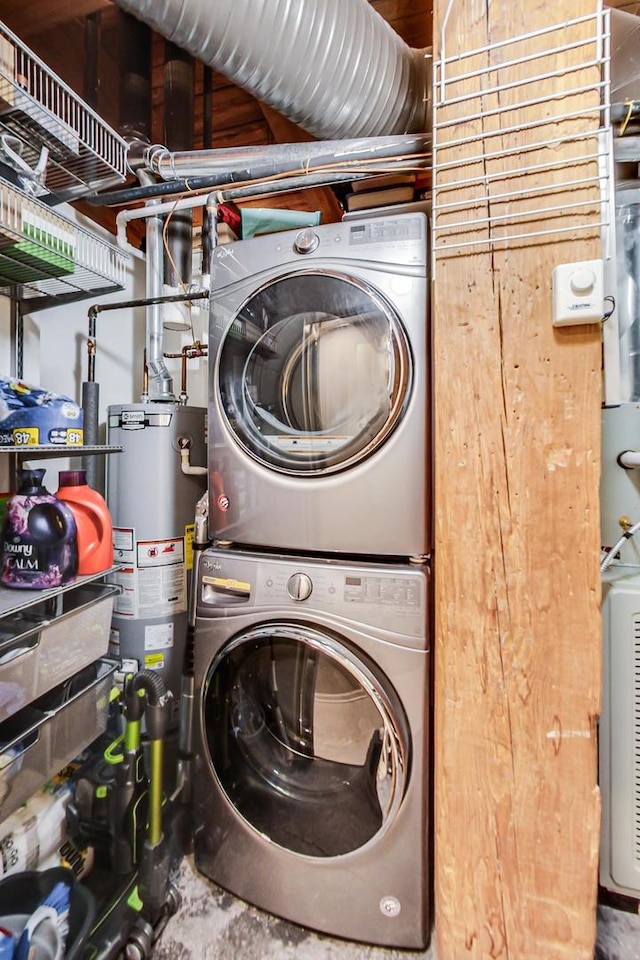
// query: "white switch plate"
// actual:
[[577, 291]]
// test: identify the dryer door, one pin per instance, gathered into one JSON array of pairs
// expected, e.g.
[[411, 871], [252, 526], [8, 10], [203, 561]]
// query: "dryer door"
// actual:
[[306, 741], [314, 373]]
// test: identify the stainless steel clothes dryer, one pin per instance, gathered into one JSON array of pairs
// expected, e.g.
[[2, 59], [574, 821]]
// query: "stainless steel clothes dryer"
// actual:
[[319, 387], [311, 736]]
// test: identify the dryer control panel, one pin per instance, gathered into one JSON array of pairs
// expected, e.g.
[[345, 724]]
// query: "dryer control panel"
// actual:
[[387, 230]]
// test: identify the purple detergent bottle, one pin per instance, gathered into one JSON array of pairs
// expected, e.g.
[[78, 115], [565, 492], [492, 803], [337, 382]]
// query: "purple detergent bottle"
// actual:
[[39, 538]]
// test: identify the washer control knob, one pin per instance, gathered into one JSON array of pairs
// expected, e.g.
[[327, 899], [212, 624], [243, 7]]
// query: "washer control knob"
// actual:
[[299, 586], [306, 241]]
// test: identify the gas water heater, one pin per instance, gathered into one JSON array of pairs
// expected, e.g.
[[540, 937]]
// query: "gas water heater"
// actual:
[[152, 503]]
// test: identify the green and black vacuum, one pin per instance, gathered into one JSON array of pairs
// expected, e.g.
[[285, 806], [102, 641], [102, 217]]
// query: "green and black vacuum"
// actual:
[[119, 809]]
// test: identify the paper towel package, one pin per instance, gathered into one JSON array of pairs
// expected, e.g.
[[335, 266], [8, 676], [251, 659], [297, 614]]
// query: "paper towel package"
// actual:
[[30, 415]]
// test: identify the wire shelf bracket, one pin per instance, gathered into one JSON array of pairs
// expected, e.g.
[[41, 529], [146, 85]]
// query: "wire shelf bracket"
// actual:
[[39, 112], [504, 148]]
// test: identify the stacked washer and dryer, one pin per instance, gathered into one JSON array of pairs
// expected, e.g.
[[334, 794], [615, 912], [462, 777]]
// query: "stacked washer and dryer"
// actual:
[[311, 790]]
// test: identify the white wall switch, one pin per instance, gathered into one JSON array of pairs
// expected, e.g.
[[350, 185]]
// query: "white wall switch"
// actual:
[[577, 291]]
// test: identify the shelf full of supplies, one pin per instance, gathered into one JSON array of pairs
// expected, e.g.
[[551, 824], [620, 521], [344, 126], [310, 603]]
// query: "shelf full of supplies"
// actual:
[[51, 260]]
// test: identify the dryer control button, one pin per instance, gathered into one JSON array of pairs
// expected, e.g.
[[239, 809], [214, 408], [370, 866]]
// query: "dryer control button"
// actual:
[[306, 241], [299, 586]]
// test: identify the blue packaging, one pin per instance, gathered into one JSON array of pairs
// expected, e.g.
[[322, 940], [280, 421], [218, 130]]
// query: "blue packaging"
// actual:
[[30, 415], [7, 944]]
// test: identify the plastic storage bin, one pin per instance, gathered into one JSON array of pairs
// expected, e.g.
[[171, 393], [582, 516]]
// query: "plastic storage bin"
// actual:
[[50, 641], [39, 740], [23, 892], [80, 708], [25, 757]]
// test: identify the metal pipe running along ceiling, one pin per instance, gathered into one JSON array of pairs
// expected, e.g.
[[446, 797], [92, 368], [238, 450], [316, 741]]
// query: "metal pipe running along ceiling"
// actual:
[[334, 67]]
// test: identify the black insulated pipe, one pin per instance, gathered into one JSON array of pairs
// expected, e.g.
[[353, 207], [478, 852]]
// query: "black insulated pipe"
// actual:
[[178, 135], [90, 388], [90, 411], [335, 160], [171, 188], [134, 62]]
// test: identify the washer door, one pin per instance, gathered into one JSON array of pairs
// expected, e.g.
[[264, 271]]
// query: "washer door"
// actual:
[[314, 373], [308, 744]]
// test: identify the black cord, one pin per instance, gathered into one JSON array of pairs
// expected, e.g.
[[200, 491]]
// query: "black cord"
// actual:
[[612, 301]]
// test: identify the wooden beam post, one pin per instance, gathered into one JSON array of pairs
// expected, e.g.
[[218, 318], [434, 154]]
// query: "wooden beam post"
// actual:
[[517, 448]]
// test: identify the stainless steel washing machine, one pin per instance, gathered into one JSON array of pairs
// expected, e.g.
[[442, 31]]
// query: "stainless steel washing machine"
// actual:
[[319, 387], [312, 725]]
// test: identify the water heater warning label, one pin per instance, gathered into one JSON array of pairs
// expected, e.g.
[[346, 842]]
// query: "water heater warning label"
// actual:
[[189, 535], [162, 590], [154, 661], [125, 602], [124, 544], [158, 636], [160, 553], [151, 591]]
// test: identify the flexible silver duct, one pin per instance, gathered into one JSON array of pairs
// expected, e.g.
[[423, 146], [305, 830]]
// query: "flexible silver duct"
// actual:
[[335, 67]]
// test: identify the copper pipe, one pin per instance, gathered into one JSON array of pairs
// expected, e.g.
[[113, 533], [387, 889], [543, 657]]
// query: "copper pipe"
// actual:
[[188, 352]]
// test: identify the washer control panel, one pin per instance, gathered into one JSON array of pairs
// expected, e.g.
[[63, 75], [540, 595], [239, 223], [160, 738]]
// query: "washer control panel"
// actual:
[[391, 598]]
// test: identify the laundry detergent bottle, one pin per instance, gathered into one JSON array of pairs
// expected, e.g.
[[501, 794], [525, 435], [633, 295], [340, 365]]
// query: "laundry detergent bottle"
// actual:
[[39, 537], [93, 520]]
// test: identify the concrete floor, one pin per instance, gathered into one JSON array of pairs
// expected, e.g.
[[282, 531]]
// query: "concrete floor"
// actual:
[[618, 935], [213, 925]]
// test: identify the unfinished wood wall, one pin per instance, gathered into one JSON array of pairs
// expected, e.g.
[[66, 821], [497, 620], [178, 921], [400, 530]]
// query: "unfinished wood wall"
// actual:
[[517, 447], [631, 6]]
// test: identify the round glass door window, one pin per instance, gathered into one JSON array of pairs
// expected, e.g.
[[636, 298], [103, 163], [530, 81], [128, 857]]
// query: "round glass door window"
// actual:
[[307, 743], [314, 373]]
